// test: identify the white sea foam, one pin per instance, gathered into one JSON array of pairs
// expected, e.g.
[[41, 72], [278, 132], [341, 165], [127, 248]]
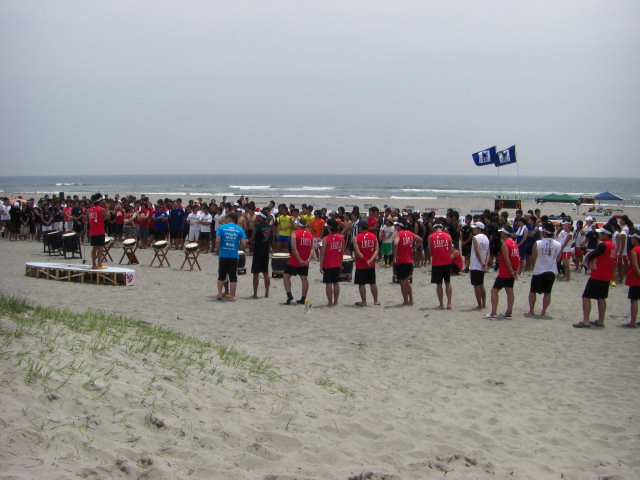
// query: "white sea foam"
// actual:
[[70, 184], [413, 198], [251, 187]]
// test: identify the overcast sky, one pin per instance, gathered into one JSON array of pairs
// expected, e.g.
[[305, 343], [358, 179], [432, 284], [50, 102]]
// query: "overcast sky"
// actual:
[[97, 87]]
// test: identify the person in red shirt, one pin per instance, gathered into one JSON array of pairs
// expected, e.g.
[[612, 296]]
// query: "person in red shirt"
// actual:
[[602, 262], [118, 222], [331, 262], [403, 245], [633, 278], [507, 272], [366, 252], [96, 216], [298, 264], [440, 246]]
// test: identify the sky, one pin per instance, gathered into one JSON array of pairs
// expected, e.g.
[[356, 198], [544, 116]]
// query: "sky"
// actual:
[[103, 87]]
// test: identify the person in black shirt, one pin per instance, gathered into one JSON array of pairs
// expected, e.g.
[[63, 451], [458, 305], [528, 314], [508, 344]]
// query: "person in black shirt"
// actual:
[[261, 241]]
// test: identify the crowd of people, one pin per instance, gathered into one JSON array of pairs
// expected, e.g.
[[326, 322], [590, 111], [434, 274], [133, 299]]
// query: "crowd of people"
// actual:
[[402, 239]]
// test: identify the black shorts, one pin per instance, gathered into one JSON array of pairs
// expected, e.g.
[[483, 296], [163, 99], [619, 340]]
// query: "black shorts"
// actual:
[[331, 275], [160, 235], [477, 277], [177, 233], [440, 273], [502, 282], [204, 236], [596, 289], [97, 240], [542, 283], [365, 276], [293, 271], [228, 266], [260, 264], [634, 293], [466, 250], [118, 228], [404, 270]]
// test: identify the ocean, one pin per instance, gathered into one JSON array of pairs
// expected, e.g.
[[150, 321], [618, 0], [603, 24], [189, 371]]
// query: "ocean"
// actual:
[[348, 187]]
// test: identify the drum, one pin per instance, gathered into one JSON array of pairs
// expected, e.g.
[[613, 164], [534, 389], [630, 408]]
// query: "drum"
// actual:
[[278, 262], [160, 245], [129, 243], [108, 241], [191, 247], [70, 242], [54, 240], [242, 262], [347, 268]]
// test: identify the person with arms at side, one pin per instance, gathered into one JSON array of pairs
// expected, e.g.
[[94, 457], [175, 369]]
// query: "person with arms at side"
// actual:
[[331, 262], [480, 256], [440, 246], [601, 262], [177, 219], [230, 238], [403, 244], [633, 279], [365, 248], [507, 272], [545, 257], [301, 244], [261, 240], [565, 237], [96, 217]]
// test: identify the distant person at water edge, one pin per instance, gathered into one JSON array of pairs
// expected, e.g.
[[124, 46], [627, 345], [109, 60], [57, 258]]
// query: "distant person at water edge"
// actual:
[[230, 238], [331, 261], [365, 249], [601, 262], [480, 257], [633, 279], [440, 246], [301, 251], [546, 254], [96, 216], [509, 262]]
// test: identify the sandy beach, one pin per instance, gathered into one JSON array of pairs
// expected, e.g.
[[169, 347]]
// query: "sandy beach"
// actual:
[[347, 392]]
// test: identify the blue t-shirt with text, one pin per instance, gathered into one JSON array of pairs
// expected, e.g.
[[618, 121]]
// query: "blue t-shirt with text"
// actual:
[[230, 236]]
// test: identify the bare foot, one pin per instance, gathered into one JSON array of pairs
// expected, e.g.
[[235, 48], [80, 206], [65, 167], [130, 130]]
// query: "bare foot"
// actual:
[[478, 308], [255, 295]]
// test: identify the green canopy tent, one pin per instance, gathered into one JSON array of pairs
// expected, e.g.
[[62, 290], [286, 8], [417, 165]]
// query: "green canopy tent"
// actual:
[[558, 198]]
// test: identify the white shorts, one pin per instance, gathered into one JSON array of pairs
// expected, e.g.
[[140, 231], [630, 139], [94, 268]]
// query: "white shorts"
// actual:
[[317, 242], [194, 234]]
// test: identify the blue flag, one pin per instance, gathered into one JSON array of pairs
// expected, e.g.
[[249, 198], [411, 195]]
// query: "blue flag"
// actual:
[[485, 157], [506, 157]]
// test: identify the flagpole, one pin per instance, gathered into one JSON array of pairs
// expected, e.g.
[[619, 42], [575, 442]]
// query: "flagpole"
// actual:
[[518, 179]]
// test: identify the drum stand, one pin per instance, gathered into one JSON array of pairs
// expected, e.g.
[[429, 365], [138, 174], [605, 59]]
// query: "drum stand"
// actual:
[[161, 255], [192, 259], [106, 252], [130, 253]]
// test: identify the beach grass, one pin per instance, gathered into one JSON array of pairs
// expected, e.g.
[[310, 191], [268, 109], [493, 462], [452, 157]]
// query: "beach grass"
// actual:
[[80, 339]]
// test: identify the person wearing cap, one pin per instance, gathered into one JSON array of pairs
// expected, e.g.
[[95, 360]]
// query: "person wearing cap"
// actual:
[[365, 248], [440, 247], [480, 257], [403, 244], [387, 233], [633, 279], [565, 236], [96, 216], [230, 239], [591, 239], [507, 272], [283, 230], [602, 263], [298, 264], [331, 261], [545, 257], [261, 239], [622, 256]]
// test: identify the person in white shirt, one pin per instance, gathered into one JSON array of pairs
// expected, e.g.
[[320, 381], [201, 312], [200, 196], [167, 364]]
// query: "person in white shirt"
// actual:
[[565, 238], [545, 257], [204, 221], [194, 226], [480, 255]]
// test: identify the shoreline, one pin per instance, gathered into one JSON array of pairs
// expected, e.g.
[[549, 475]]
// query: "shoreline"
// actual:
[[464, 205]]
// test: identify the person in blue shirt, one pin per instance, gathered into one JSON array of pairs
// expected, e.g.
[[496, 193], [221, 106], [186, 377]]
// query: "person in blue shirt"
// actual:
[[161, 223], [229, 239], [177, 219]]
